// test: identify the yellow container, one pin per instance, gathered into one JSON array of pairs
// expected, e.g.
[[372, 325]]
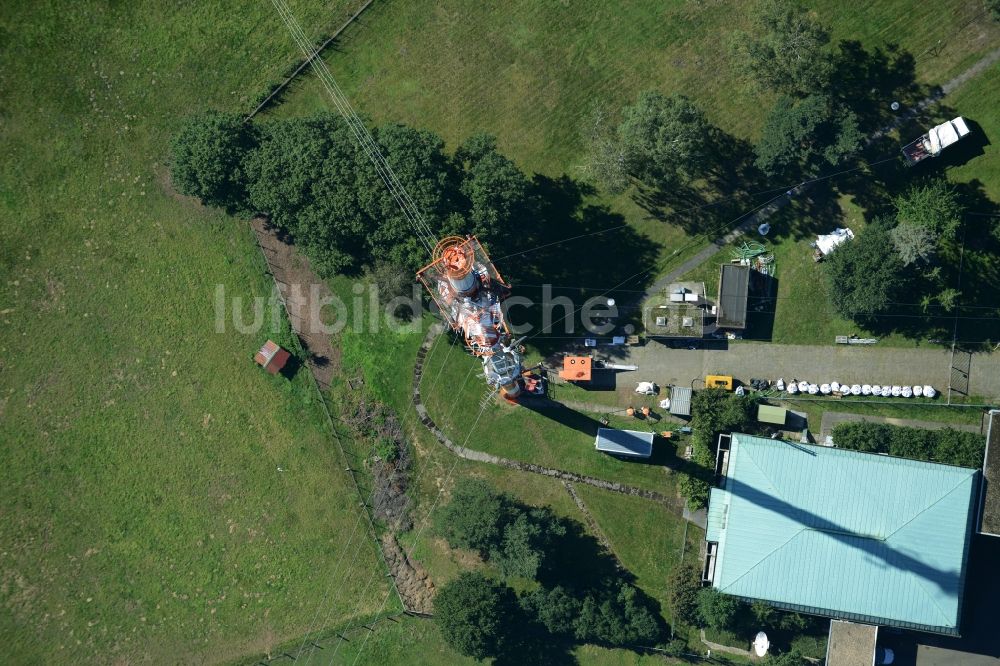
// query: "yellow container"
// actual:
[[719, 381]]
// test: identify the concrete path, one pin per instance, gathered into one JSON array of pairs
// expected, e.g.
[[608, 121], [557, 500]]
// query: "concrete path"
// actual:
[[977, 68], [718, 647], [832, 419], [816, 363]]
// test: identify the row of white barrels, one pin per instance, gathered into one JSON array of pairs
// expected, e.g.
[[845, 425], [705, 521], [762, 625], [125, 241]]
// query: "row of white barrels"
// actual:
[[836, 388]]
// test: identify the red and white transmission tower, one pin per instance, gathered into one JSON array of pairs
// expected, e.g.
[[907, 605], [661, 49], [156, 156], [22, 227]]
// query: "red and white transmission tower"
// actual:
[[469, 291]]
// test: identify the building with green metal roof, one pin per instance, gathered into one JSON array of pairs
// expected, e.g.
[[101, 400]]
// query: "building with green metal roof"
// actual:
[[840, 533]]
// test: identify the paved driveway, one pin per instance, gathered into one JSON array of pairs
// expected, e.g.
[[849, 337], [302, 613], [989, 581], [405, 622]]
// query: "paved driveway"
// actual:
[[842, 363]]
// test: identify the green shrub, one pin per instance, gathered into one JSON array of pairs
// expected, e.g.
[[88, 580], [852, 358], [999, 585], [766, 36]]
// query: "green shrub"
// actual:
[[716, 609], [208, 155], [476, 615], [682, 594], [949, 446]]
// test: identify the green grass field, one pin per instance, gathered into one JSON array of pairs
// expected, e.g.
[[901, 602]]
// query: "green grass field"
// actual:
[[978, 103], [553, 437], [145, 516], [531, 72], [145, 520]]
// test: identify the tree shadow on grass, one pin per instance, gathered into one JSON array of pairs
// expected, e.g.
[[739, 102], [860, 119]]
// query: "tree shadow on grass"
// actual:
[[579, 563], [582, 250], [722, 190], [582, 566], [868, 82], [968, 264]]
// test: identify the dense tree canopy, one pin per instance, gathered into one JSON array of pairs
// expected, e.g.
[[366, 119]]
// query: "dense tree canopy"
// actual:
[[953, 447], [716, 609], [712, 411], [801, 136], [865, 274], [932, 206], [664, 137], [307, 174], [524, 542], [496, 191], [476, 516], [682, 594], [313, 180], [417, 158], [786, 50], [617, 619], [914, 243], [556, 609], [476, 615], [207, 158]]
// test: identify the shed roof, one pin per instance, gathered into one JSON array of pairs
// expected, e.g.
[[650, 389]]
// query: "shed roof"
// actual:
[[846, 534], [680, 400], [851, 644], [734, 287], [624, 442], [271, 357], [771, 414], [990, 513], [576, 368]]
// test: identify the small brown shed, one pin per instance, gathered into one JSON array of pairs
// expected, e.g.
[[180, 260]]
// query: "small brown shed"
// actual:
[[271, 357]]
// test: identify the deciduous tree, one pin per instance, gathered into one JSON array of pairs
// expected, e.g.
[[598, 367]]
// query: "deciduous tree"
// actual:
[[664, 138], [476, 615], [305, 175], [616, 619], [682, 594], [786, 50], [425, 173], [555, 609], [475, 517], [801, 136], [933, 206], [715, 609], [526, 541], [208, 155], [496, 191], [914, 243], [865, 274]]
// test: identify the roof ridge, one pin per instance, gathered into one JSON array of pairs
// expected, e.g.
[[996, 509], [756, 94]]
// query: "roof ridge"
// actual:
[[748, 454], [768, 556], [928, 507], [944, 616]]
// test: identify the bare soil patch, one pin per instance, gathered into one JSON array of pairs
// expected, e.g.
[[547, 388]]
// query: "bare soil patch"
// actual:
[[304, 293]]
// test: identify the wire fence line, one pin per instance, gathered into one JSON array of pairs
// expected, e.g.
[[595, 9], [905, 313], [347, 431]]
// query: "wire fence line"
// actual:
[[350, 469], [315, 646], [277, 90]]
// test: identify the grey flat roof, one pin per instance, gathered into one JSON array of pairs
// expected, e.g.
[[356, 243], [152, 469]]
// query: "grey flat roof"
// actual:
[[989, 522], [734, 287], [624, 442], [851, 644], [680, 400]]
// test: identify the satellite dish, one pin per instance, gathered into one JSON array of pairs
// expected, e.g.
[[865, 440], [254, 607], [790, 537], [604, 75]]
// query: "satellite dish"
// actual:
[[894, 106], [763, 229], [761, 644], [611, 302]]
